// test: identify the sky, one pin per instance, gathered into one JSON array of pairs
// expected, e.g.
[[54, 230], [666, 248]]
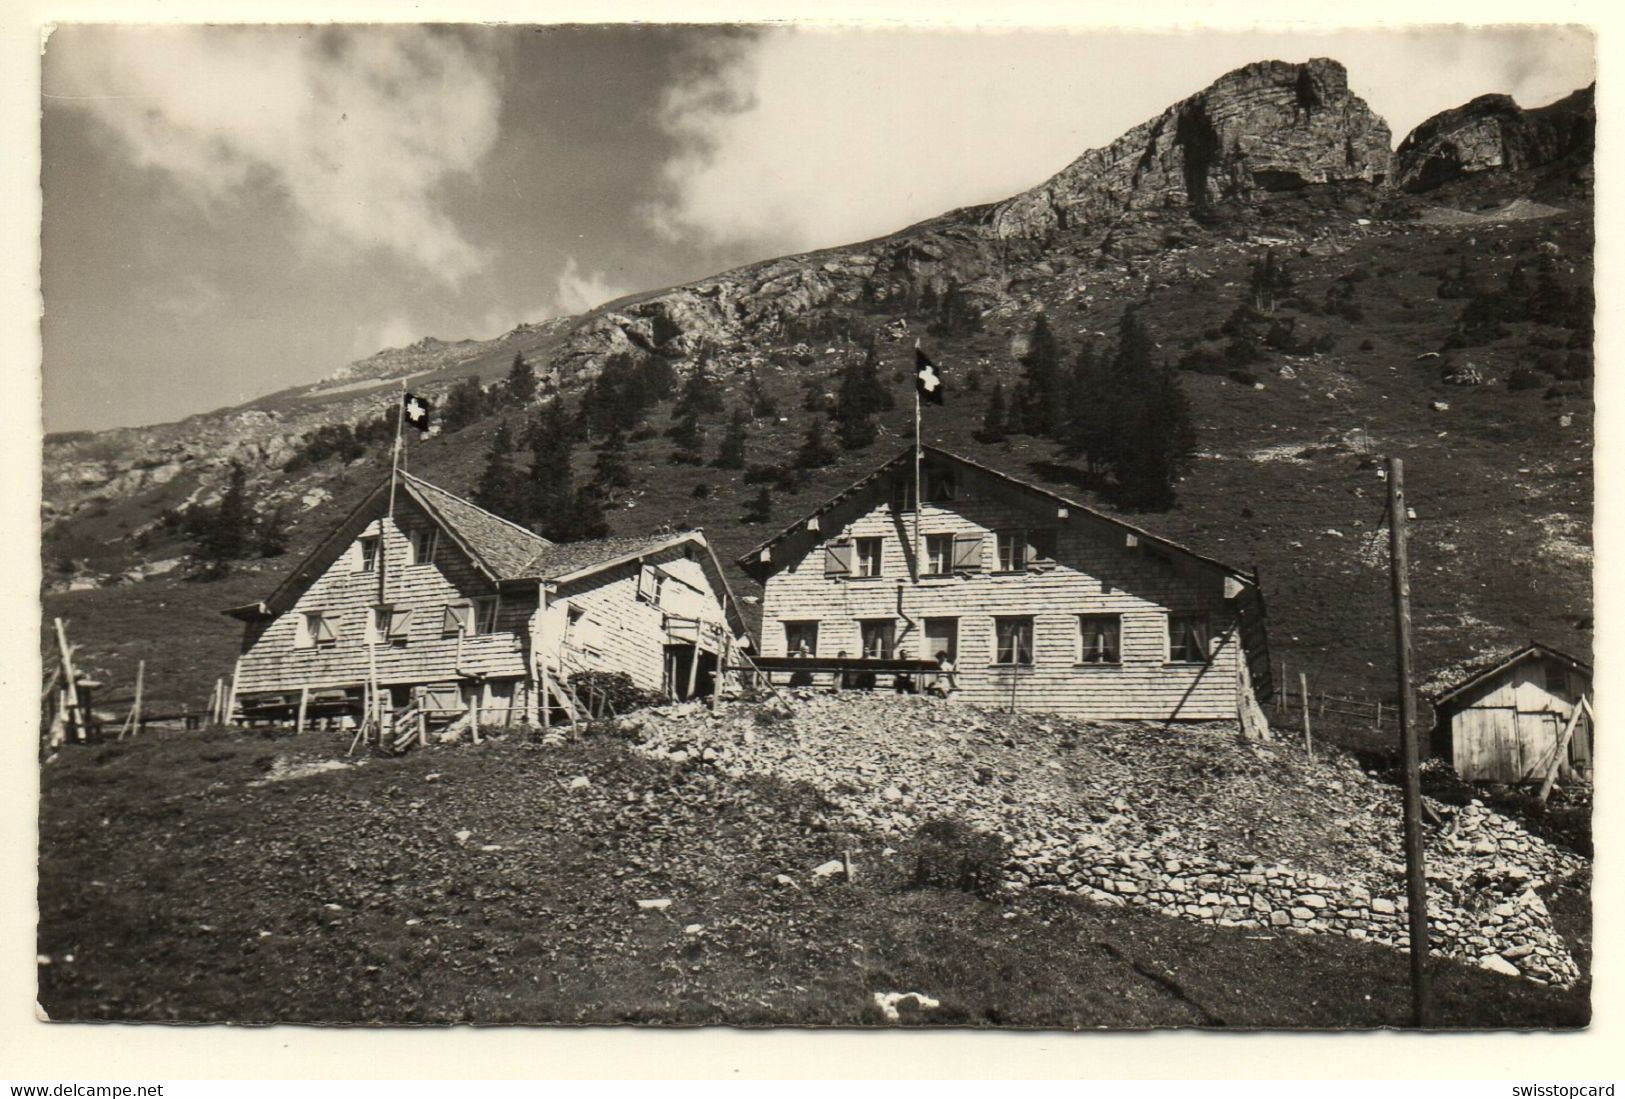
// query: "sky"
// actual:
[[229, 211]]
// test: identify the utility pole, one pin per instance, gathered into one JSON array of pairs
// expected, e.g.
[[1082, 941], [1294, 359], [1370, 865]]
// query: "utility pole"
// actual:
[[1415, 876]]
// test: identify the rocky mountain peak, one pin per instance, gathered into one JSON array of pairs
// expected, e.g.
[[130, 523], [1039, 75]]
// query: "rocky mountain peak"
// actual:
[[1492, 131], [1268, 126]]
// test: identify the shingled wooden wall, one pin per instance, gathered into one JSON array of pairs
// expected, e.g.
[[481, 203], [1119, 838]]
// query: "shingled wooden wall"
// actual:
[[1096, 572], [272, 662]]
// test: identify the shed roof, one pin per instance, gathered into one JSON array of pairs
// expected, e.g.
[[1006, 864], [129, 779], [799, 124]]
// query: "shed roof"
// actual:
[[1502, 664]]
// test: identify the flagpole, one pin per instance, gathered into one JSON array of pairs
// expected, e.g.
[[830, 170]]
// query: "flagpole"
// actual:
[[918, 455], [394, 471]]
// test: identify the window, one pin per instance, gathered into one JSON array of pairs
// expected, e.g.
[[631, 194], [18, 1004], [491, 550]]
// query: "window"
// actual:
[[1013, 639], [1102, 639], [801, 638], [869, 550], [316, 629], [1012, 550], [939, 554], [938, 484], [485, 614], [879, 637], [902, 496], [1187, 638], [424, 540], [391, 624], [369, 553], [1019, 549], [941, 636]]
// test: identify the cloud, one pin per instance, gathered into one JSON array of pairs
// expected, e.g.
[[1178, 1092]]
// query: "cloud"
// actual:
[[575, 292], [807, 137], [356, 129], [394, 331]]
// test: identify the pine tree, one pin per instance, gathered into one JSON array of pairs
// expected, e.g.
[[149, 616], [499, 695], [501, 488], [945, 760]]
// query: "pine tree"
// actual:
[[731, 452], [586, 519], [761, 405], [870, 388], [993, 420], [501, 489], [1039, 397], [223, 533], [521, 383], [465, 404], [690, 439], [814, 396], [1160, 445], [760, 508], [701, 394], [855, 404], [549, 489], [815, 452], [1268, 283], [1092, 394], [610, 471]]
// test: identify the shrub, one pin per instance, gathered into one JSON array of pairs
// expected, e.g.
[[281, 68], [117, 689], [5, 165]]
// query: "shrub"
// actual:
[[1244, 377], [1367, 345], [1524, 378], [953, 855]]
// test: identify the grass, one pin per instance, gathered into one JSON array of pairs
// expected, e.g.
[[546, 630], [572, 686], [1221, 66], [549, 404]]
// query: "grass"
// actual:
[[182, 892]]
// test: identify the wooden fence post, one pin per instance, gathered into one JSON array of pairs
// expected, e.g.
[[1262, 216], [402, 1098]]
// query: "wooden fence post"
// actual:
[[1303, 690], [304, 698]]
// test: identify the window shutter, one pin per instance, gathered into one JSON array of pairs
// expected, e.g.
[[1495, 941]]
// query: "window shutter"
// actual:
[[400, 623], [302, 638], [324, 629], [646, 584], [838, 559], [967, 551], [457, 619]]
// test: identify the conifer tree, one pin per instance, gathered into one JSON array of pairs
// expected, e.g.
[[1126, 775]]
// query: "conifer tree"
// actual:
[[731, 452], [610, 471], [760, 508], [870, 388], [815, 452], [223, 533], [586, 517], [1268, 283], [993, 420], [1039, 397], [501, 489], [521, 383], [761, 405], [465, 404], [701, 394], [1160, 443], [689, 438], [1093, 394], [550, 487]]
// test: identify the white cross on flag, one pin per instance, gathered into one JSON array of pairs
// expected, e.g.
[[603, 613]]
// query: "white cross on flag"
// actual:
[[928, 381], [417, 412]]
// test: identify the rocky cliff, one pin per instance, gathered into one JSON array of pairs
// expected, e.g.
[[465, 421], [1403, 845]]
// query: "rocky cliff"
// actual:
[[1270, 126], [1492, 132]]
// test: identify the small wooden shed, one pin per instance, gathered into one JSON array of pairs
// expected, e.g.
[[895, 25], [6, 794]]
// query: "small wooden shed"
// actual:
[[1507, 722]]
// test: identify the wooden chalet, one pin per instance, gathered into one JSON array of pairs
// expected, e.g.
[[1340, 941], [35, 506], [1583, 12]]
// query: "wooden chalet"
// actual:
[[440, 605], [1040, 602], [1517, 718]]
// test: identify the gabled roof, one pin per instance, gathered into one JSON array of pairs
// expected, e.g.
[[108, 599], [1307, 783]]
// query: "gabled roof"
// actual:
[[751, 561], [503, 550], [1502, 664]]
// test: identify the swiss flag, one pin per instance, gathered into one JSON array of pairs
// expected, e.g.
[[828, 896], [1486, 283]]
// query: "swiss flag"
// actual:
[[416, 410], [928, 380]]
